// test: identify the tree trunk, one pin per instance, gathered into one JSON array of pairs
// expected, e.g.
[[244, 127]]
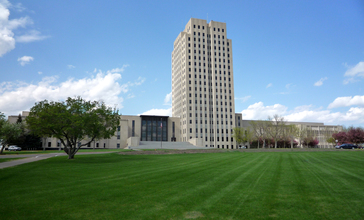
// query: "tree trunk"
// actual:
[[258, 143], [2, 149], [275, 143], [71, 156]]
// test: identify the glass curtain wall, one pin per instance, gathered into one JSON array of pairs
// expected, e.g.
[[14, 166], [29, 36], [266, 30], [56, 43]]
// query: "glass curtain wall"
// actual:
[[154, 128]]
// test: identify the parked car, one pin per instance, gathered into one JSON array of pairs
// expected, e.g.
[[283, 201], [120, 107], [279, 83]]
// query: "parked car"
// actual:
[[346, 146], [14, 148]]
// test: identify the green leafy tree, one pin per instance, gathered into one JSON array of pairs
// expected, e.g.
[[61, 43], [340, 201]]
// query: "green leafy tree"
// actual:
[[238, 135], [247, 136], [73, 121], [9, 133], [2, 122]]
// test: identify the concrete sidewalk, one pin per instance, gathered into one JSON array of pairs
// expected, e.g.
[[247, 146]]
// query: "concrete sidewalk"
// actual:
[[28, 158]]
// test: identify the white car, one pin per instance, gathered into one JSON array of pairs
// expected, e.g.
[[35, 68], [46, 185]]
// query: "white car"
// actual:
[[14, 148]]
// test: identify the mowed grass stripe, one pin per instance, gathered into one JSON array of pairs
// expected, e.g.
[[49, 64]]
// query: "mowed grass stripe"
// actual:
[[197, 186], [284, 185], [72, 178], [329, 188], [244, 192]]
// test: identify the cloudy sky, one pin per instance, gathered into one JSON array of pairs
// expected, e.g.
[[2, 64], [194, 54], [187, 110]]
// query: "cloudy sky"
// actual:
[[303, 60]]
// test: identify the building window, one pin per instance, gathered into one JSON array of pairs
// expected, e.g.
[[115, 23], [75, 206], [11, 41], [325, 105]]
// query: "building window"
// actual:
[[133, 128]]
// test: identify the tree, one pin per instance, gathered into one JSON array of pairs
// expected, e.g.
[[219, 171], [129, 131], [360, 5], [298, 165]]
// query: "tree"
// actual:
[[9, 134], [72, 121], [331, 140], [238, 135], [247, 136], [2, 122], [19, 120], [310, 142], [355, 135], [341, 137], [275, 128], [291, 131], [350, 135], [259, 130]]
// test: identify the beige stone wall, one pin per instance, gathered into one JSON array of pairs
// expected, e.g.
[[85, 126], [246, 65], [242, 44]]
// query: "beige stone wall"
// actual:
[[122, 137], [203, 83]]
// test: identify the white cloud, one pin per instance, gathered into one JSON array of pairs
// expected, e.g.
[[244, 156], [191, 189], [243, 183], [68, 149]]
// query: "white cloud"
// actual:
[[138, 82], [25, 60], [353, 72], [349, 80], [258, 111], [353, 115], [71, 66], [269, 85], [290, 85], [116, 70], [244, 99], [320, 82], [32, 35], [7, 40], [130, 96], [347, 101], [168, 99], [161, 112], [357, 70], [40, 73], [19, 96], [19, 7]]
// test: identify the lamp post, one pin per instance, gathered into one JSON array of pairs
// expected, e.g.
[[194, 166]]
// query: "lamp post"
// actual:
[[336, 142]]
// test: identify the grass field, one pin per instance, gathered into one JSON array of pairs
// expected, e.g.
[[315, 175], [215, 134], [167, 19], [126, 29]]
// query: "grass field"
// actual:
[[231, 185]]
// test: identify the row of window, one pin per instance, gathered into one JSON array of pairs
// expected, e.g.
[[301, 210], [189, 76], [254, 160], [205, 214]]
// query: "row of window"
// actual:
[[208, 35], [210, 122], [189, 63], [209, 53], [210, 78], [203, 28], [217, 96], [203, 46]]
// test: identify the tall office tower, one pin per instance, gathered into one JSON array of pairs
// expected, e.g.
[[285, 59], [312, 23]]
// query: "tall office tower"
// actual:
[[203, 85]]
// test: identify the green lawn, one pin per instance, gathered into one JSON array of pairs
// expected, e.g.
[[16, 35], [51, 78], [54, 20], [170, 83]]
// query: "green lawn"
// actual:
[[231, 185]]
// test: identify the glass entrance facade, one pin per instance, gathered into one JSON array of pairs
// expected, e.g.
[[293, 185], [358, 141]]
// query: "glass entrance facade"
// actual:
[[154, 128]]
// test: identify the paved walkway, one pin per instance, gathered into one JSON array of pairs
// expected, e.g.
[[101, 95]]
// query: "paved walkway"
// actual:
[[35, 157]]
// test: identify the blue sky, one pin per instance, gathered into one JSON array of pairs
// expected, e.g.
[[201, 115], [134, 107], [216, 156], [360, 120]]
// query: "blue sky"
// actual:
[[303, 60]]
